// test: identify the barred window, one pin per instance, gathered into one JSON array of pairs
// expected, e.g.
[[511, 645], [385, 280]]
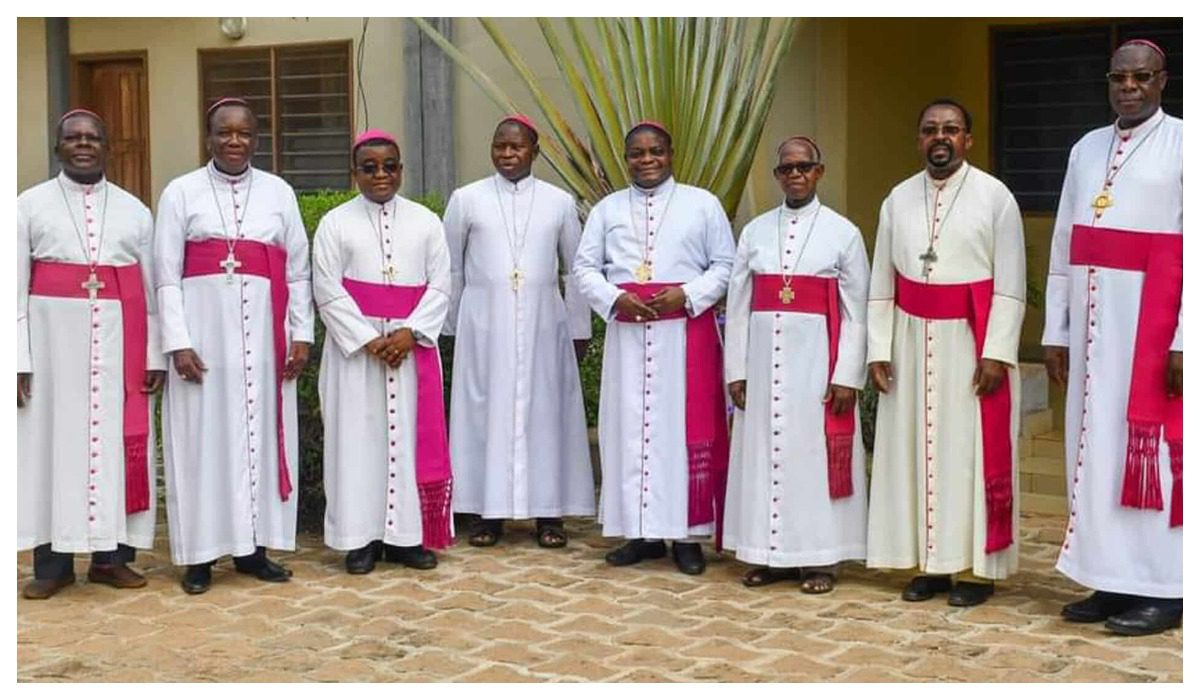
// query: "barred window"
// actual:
[[301, 95], [1049, 90]]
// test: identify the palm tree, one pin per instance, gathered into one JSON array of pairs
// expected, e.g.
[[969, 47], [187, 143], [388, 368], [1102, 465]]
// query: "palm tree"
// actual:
[[710, 81]]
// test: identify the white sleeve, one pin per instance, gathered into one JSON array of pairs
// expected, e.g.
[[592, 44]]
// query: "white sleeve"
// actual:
[[24, 265], [1057, 299], [1003, 339], [299, 275], [579, 315], [427, 319], [344, 323], [881, 299], [155, 359], [737, 314], [854, 276], [707, 289], [589, 267], [456, 224], [170, 236]]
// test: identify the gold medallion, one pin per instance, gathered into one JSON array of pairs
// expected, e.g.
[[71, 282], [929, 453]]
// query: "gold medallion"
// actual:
[[516, 276], [644, 271], [786, 295], [1102, 201]]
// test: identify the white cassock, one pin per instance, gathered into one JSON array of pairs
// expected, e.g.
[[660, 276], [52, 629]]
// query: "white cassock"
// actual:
[[70, 447], [643, 450], [518, 434], [927, 504], [219, 437], [778, 509], [370, 410], [1109, 547]]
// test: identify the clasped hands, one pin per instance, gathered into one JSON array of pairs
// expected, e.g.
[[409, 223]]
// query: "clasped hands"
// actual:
[[664, 302], [392, 349]]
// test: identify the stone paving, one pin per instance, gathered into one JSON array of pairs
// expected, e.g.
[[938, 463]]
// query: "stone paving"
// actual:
[[519, 613]]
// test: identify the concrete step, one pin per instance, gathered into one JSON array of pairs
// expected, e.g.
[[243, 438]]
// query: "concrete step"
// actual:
[[1042, 504], [1037, 423], [1048, 445], [1052, 466]]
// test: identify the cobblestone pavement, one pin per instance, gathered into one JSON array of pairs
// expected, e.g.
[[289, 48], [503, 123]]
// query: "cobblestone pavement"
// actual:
[[519, 613]]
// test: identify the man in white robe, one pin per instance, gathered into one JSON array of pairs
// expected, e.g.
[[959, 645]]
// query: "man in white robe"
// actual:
[[653, 261], [235, 298], [797, 495], [518, 433], [88, 361], [1113, 305], [381, 280], [944, 321]]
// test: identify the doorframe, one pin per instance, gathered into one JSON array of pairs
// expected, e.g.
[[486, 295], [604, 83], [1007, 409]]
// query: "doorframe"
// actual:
[[77, 63]]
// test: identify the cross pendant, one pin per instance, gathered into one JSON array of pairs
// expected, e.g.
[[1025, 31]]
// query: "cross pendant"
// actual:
[[231, 264], [93, 286], [786, 295], [644, 272], [1101, 202], [928, 258], [389, 272], [517, 277]]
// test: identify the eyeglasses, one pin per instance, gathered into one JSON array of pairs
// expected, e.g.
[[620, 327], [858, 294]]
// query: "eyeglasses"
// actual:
[[803, 167], [389, 167], [1142, 76], [951, 130]]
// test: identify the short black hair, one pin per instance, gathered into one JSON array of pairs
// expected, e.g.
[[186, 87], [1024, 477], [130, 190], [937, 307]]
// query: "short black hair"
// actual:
[[373, 143], [946, 102], [212, 112], [533, 135], [648, 127], [58, 131]]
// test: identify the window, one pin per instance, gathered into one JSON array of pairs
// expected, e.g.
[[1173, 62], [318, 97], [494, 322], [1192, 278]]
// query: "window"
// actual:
[[301, 95], [1049, 90]]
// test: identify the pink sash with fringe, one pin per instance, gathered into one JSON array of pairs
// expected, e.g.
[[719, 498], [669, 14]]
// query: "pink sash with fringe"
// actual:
[[123, 282], [1152, 415], [434, 477], [707, 424], [817, 295]]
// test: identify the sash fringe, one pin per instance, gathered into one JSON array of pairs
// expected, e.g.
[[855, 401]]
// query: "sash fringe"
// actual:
[[999, 500], [1142, 488], [1176, 448], [435, 514], [840, 450], [137, 484], [700, 484]]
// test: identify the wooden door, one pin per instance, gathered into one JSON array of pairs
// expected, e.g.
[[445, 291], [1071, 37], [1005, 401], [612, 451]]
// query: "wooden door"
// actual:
[[115, 87]]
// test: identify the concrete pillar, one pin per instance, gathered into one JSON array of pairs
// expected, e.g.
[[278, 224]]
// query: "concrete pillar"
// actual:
[[58, 76], [428, 112]]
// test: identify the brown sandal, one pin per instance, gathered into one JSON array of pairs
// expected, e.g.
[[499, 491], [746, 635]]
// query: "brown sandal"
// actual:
[[765, 576], [817, 582], [485, 533], [550, 533]]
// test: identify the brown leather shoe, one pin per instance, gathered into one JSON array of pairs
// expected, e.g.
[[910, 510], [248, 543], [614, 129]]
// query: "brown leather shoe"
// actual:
[[116, 575], [41, 589]]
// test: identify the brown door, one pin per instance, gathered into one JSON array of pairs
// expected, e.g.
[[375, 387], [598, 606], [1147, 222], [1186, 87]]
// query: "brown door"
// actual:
[[115, 87]]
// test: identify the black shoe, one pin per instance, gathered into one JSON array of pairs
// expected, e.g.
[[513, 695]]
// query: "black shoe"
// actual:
[[414, 557], [1149, 616], [965, 594], [688, 557], [262, 568], [634, 551], [362, 560], [1098, 607], [925, 587], [197, 579]]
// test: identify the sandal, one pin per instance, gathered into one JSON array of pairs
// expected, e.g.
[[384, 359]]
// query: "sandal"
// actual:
[[485, 533], [550, 533], [816, 583], [764, 576]]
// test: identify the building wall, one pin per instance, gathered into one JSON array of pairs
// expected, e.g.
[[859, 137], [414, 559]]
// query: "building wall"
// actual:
[[32, 143]]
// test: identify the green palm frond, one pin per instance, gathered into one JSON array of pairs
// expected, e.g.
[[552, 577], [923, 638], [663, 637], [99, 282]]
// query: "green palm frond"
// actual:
[[710, 81]]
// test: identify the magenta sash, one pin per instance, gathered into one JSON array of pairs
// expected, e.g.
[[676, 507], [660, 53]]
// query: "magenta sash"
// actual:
[[434, 476], [202, 258], [972, 302], [707, 423], [817, 295], [123, 282], [1151, 414]]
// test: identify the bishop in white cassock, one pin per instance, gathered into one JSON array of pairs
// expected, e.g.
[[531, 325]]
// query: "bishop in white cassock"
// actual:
[[795, 350], [946, 302], [1113, 307], [381, 280], [88, 360], [654, 260], [236, 305], [518, 434]]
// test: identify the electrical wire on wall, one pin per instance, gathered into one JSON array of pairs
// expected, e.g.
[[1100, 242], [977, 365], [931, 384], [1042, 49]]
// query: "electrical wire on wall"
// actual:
[[358, 70]]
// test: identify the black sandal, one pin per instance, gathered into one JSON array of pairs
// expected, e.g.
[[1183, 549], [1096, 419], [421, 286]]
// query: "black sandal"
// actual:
[[485, 533], [817, 583], [550, 533], [765, 576]]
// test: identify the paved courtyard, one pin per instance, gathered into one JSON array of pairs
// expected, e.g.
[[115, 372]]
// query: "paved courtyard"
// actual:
[[519, 613]]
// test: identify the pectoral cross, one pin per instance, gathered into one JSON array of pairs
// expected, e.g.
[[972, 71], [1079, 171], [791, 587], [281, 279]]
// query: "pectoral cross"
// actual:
[[1102, 201], [389, 272], [93, 286], [644, 271], [928, 258], [231, 264], [516, 277], [786, 295]]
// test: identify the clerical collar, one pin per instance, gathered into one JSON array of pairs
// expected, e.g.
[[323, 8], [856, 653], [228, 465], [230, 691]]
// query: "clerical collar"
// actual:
[[226, 177], [520, 186], [1126, 134], [956, 177], [661, 188], [381, 205], [73, 186], [813, 205]]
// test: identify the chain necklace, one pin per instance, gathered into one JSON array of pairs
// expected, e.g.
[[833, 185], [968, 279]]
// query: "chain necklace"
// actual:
[[786, 295], [93, 285], [645, 271], [1104, 200], [231, 263], [516, 246], [386, 268], [929, 257]]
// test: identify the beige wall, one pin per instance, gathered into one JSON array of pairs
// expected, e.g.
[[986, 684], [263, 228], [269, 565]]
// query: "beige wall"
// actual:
[[32, 143]]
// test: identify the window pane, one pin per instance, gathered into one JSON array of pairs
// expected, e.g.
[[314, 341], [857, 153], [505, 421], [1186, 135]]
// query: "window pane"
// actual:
[[315, 120]]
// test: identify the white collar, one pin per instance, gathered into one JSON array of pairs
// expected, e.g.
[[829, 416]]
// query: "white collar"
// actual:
[[953, 179], [80, 187], [393, 202], [813, 205], [1140, 128], [226, 177], [660, 189], [519, 187]]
